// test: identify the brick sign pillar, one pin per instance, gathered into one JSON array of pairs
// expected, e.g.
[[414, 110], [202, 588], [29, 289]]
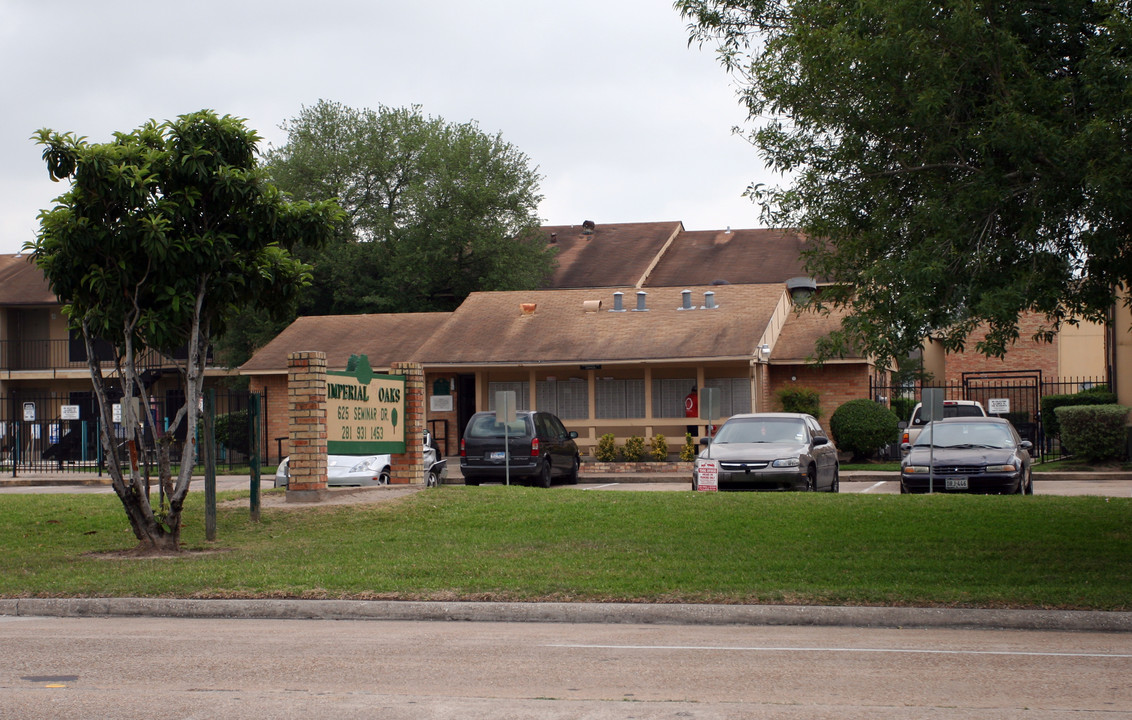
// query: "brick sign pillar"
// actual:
[[409, 468], [306, 402]]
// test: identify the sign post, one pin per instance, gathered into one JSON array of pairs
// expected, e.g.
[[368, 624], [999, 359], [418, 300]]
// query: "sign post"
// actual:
[[931, 409], [505, 413]]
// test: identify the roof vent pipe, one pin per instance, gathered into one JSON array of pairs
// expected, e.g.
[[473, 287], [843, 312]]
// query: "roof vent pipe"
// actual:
[[687, 300], [618, 302], [709, 300], [641, 295]]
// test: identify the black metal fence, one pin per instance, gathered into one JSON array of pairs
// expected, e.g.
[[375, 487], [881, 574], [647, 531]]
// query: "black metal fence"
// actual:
[[1015, 395], [61, 434]]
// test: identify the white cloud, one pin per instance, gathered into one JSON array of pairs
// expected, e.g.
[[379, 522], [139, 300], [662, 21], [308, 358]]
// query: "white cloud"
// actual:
[[625, 121]]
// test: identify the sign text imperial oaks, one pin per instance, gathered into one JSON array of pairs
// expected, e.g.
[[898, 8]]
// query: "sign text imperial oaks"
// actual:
[[365, 412]]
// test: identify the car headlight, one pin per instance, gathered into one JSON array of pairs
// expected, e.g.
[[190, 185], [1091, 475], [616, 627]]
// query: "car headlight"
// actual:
[[1001, 468], [363, 466], [786, 462], [916, 470]]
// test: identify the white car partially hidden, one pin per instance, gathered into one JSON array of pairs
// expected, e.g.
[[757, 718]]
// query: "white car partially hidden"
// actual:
[[365, 470]]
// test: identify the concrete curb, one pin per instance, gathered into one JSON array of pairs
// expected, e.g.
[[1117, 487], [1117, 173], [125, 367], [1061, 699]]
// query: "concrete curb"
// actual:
[[610, 613]]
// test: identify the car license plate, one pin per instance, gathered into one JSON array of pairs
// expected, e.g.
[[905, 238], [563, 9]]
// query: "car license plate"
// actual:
[[496, 455], [956, 483]]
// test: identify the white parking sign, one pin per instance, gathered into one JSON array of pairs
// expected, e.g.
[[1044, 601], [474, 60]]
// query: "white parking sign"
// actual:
[[708, 476]]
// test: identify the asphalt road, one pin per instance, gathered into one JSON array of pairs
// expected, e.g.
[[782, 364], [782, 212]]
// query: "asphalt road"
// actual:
[[178, 668]]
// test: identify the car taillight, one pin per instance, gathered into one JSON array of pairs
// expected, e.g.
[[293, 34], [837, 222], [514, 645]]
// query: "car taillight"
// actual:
[[463, 449], [905, 438], [534, 447]]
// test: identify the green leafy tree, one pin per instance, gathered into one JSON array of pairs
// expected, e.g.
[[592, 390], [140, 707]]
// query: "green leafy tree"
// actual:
[[862, 427], [436, 210], [162, 234], [963, 162]]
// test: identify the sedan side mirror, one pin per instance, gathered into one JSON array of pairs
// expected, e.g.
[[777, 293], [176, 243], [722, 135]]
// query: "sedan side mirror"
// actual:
[[1026, 445], [820, 440], [705, 441], [573, 434]]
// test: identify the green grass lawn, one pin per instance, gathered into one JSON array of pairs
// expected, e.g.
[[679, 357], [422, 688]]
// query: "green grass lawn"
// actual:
[[523, 544]]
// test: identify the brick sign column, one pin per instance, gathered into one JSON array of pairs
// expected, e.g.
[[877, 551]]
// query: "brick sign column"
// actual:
[[409, 468], [306, 403]]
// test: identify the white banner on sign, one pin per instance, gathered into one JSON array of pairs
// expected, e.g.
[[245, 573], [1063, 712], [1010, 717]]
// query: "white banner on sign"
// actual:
[[69, 412], [998, 406], [708, 476]]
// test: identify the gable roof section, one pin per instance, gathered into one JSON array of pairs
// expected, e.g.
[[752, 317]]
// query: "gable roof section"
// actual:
[[798, 339], [490, 328], [22, 283], [385, 339], [703, 257], [613, 255]]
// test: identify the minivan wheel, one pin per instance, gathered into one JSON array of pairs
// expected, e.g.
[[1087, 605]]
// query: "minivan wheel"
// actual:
[[572, 477], [544, 475]]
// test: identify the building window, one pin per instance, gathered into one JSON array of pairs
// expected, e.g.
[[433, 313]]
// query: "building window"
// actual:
[[619, 399], [522, 394], [734, 395], [568, 399], [668, 396]]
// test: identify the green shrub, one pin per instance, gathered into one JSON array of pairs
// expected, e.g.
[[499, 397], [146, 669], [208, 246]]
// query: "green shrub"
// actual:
[[658, 448], [606, 448], [1050, 403], [232, 431], [800, 400], [1094, 432], [903, 407], [862, 426], [634, 450], [688, 449]]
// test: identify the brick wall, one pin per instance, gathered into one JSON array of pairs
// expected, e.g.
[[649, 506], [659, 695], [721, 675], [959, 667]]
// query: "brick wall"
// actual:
[[1025, 354], [306, 393], [409, 467], [837, 384]]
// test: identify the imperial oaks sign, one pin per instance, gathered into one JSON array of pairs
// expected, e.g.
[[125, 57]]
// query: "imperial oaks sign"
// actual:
[[365, 412]]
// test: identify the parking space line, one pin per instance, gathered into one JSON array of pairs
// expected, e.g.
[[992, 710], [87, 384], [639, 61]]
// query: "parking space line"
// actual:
[[599, 487], [874, 487]]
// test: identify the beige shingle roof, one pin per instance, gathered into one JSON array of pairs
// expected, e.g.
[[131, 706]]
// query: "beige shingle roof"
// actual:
[[491, 328], [800, 334], [22, 283], [613, 255], [735, 257], [385, 339]]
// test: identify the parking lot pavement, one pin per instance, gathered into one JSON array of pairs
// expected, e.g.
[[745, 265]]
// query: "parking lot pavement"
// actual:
[[1103, 488]]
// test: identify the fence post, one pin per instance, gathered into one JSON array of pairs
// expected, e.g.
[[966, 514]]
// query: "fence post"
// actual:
[[209, 464], [253, 446]]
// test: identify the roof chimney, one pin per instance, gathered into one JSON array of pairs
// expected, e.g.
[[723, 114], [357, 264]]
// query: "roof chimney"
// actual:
[[618, 300], [553, 238], [686, 304], [588, 227], [591, 306], [641, 295], [528, 308], [709, 300]]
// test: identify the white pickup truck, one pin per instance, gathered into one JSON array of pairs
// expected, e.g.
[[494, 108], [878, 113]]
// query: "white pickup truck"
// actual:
[[951, 408]]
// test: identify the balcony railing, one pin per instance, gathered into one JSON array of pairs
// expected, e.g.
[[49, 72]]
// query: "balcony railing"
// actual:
[[16, 355]]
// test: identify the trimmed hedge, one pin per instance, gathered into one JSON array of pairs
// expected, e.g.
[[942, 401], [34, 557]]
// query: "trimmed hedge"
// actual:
[[798, 399], [862, 426], [1094, 432], [1050, 404]]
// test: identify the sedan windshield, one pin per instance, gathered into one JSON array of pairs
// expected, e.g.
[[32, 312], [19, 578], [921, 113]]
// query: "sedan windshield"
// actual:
[[963, 435], [762, 430]]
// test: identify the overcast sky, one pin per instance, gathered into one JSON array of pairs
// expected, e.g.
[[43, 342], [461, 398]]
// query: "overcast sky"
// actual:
[[625, 121]]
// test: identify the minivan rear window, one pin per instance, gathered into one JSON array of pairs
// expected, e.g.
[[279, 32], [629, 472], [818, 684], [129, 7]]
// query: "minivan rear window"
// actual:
[[486, 426]]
